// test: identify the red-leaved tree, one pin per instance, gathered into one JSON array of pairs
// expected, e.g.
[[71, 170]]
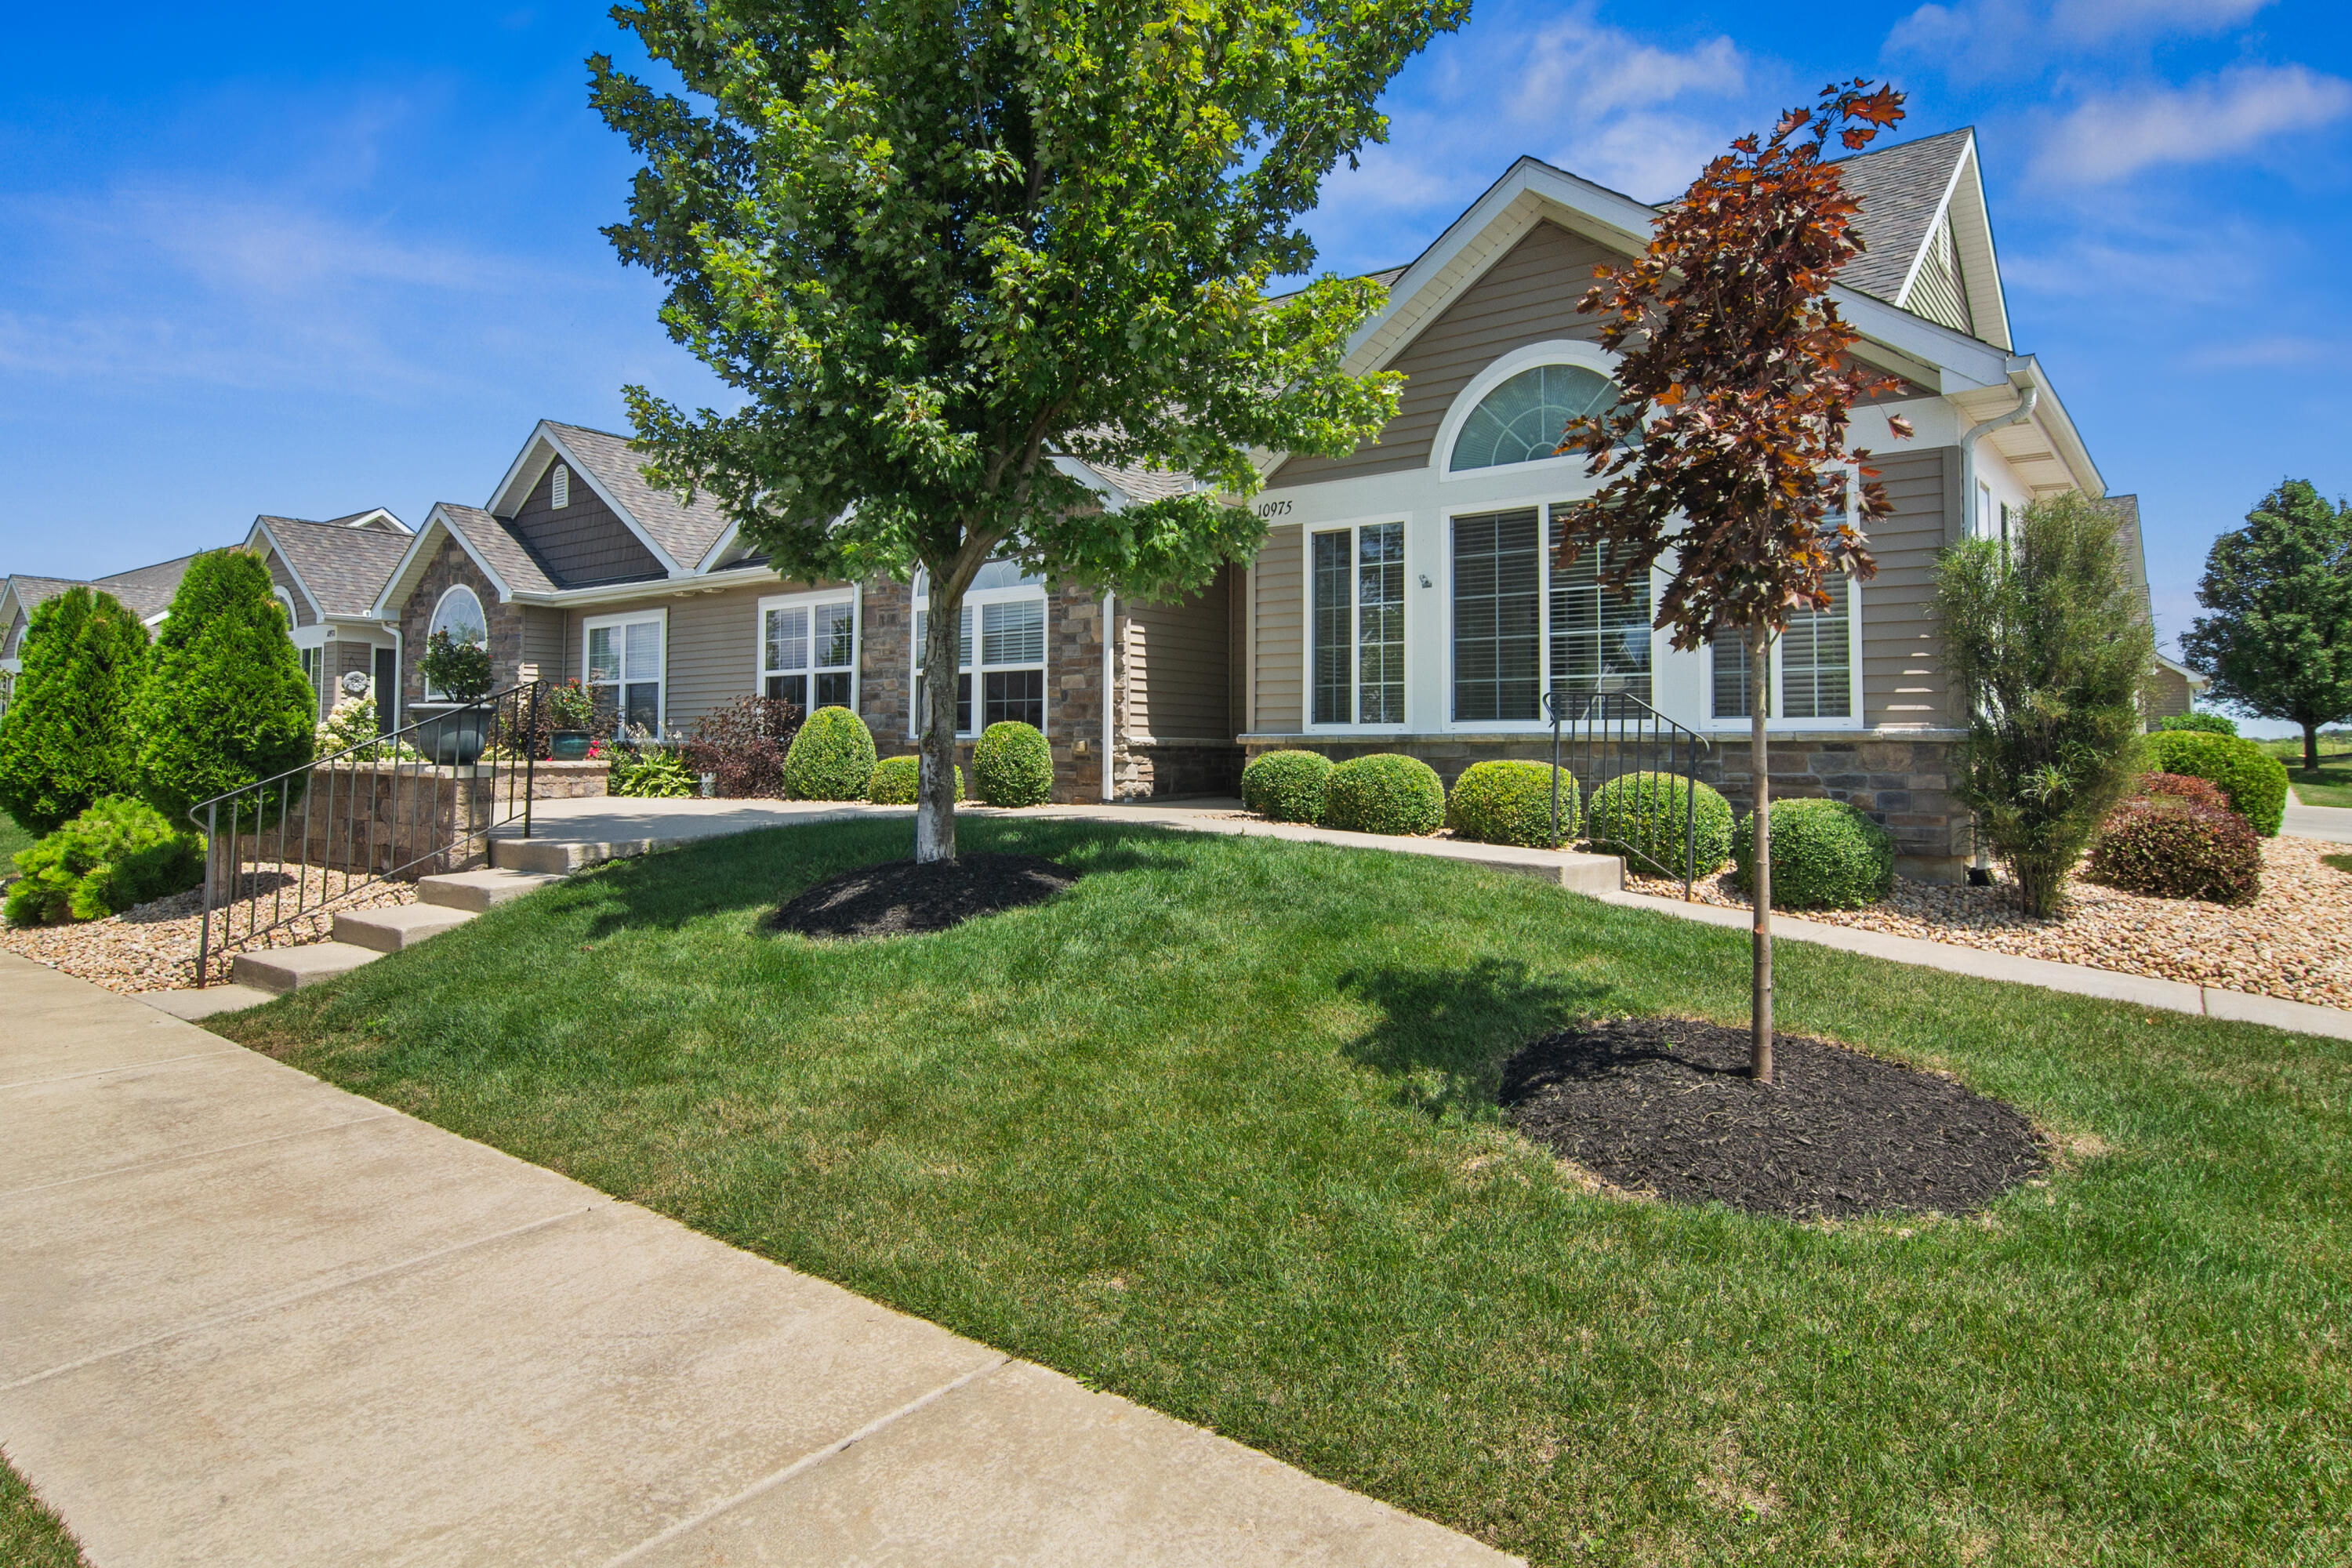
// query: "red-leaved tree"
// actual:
[[1728, 451]]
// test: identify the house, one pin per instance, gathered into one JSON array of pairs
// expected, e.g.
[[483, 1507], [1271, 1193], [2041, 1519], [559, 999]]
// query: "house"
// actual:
[[329, 576], [145, 591]]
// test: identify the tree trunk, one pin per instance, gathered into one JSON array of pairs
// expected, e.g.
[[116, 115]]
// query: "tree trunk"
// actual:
[[1759, 702], [935, 798], [2310, 748]]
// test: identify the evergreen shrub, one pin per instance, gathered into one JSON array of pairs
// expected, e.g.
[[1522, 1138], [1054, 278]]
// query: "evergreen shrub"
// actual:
[[1650, 818], [1286, 786], [1385, 793], [1826, 855], [118, 853], [1013, 765], [831, 757], [898, 780], [2253, 780], [2211, 724], [1510, 803], [66, 740], [2171, 846]]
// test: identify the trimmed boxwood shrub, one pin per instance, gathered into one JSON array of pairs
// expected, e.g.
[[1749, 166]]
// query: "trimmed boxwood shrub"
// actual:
[[1013, 765], [226, 702], [832, 757], [1385, 792], [118, 853], [896, 781], [1643, 817], [1286, 786], [67, 742], [2185, 786], [1510, 803], [1826, 855], [2174, 848], [2254, 781], [2209, 723]]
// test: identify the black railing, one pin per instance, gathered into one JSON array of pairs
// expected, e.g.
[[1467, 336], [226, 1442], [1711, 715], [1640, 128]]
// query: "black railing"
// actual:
[[1600, 736], [291, 845]]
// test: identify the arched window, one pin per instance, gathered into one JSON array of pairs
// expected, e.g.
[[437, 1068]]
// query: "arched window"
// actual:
[[459, 613], [1523, 419], [286, 602]]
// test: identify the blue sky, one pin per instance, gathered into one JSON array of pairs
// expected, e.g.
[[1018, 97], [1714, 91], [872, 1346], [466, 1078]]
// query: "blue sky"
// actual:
[[312, 259]]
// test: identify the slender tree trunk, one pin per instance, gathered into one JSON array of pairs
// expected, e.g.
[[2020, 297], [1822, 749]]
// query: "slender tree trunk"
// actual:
[[1759, 691], [2310, 748], [935, 831]]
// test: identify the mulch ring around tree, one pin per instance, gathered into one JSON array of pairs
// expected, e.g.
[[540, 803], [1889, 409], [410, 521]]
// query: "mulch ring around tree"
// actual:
[[901, 898], [1665, 1105]]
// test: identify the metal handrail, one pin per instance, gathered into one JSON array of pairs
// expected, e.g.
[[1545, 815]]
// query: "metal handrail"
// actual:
[[1605, 729], [461, 745]]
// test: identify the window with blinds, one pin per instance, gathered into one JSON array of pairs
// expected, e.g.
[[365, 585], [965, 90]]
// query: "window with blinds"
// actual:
[[1599, 635], [1497, 616], [1357, 580], [808, 652], [1001, 650], [1817, 660]]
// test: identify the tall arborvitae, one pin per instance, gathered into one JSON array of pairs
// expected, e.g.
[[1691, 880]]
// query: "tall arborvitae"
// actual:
[[66, 740]]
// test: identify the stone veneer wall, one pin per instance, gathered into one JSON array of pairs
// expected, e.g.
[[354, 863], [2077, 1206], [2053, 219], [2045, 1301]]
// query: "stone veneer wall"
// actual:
[[449, 566], [1903, 781]]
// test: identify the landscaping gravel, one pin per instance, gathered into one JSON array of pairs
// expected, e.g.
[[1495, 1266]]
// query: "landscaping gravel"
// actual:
[[2294, 941], [154, 946]]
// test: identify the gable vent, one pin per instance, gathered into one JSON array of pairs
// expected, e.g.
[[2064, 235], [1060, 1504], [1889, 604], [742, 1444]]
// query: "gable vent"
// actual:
[[559, 487]]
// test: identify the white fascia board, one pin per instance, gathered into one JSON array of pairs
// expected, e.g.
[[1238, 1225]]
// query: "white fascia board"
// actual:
[[2049, 414], [1971, 228], [1943, 206], [1114, 498], [652, 588], [418, 550], [525, 473], [2196, 682], [261, 531], [727, 537]]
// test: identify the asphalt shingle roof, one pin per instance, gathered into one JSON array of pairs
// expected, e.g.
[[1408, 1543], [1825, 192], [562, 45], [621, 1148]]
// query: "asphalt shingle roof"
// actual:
[[1901, 189], [344, 567], [514, 565], [33, 591], [147, 590], [688, 533]]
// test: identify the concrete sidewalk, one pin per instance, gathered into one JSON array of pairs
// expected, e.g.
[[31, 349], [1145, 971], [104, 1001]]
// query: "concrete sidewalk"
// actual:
[[248, 1318], [2332, 823]]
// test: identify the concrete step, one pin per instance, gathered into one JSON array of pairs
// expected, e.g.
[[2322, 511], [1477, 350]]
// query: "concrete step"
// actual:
[[279, 970], [479, 891], [402, 925], [194, 1005], [561, 857]]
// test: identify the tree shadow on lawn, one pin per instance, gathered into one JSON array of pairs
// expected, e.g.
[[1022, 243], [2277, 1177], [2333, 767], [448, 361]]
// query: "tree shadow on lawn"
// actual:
[[1444, 1033]]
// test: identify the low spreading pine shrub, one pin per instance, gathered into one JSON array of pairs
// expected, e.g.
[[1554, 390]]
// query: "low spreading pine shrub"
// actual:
[[118, 854], [1385, 793], [1286, 786], [1511, 803], [1013, 765]]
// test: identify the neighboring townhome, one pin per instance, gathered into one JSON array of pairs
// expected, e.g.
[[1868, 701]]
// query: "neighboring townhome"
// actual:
[[145, 591], [1407, 597], [578, 569], [329, 576]]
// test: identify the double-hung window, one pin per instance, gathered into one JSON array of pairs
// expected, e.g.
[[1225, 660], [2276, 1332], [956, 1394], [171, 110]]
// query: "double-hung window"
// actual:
[[808, 649], [1358, 631], [1000, 653], [623, 663], [1523, 625], [1812, 668]]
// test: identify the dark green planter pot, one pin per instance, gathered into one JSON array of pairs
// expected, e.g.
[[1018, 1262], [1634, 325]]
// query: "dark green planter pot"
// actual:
[[569, 746]]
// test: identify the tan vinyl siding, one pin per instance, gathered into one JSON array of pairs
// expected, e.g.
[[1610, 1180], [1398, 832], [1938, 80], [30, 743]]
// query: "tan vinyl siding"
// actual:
[[544, 643], [281, 577], [586, 542], [1281, 632], [1528, 297], [1903, 679], [2168, 694], [1176, 656]]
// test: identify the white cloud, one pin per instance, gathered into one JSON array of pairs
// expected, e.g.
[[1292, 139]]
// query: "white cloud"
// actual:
[[2106, 139], [1979, 39]]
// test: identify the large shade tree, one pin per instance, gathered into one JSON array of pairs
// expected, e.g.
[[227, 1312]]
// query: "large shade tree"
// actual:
[[1729, 449], [937, 247], [2277, 634]]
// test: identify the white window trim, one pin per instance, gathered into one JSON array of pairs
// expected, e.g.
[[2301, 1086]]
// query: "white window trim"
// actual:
[[1777, 724], [1354, 528], [1559, 350], [851, 596], [431, 695], [628, 617], [972, 599]]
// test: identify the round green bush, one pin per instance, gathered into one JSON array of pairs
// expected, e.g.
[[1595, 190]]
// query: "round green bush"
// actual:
[[118, 853], [1385, 792], [2210, 723], [2254, 781], [1286, 786], [1013, 765], [831, 758], [1826, 855], [897, 780], [2171, 846], [1510, 803], [1650, 818], [226, 702], [67, 742]]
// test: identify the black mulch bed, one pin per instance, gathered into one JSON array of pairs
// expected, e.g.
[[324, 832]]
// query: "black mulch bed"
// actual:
[[1666, 1105], [899, 897]]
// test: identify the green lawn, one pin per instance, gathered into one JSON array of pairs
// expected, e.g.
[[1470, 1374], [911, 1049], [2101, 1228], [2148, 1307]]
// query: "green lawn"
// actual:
[[2330, 783], [30, 1535], [1217, 1131]]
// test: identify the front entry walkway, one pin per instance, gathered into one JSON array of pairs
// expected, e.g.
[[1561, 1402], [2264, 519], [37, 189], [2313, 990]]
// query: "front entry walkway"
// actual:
[[248, 1318]]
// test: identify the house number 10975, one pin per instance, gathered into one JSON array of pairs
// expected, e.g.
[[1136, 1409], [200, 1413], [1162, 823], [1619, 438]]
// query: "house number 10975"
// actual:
[[1274, 509]]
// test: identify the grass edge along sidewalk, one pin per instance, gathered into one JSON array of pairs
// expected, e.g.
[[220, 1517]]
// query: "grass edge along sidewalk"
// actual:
[[1217, 1131], [31, 1536]]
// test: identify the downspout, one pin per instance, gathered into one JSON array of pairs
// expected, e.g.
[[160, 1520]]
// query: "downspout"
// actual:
[[1981, 870], [1109, 674]]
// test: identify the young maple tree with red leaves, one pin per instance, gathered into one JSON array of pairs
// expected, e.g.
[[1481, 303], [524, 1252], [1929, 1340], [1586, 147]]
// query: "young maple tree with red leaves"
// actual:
[[1728, 451]]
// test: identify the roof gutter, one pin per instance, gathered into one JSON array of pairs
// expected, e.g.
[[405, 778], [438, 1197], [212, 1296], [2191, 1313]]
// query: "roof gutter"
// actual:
[[2029, 395]]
